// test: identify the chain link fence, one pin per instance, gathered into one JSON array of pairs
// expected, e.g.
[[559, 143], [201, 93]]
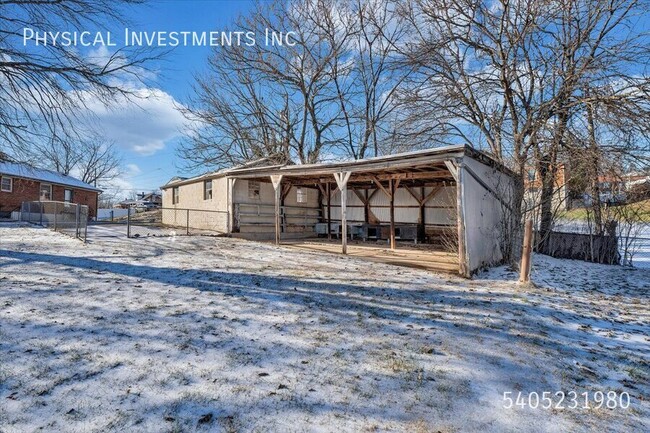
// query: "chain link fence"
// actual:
[[63, 217], [168, 222]]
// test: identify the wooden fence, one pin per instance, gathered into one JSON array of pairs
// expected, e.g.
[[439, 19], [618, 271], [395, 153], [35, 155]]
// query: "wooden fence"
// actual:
[[580, 246]]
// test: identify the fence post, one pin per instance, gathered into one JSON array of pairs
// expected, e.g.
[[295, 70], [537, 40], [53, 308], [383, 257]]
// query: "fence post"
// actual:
[[187, 222], [41, 209], [128, 222], [524, 272], [112, 213], [55, 211]]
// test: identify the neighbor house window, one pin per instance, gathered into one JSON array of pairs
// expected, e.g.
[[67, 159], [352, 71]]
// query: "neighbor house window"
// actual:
[[46, 192], [7, 184], [175, 195], [207, 190], [301, 195], [67, 196], [253, 189], [531, 175]]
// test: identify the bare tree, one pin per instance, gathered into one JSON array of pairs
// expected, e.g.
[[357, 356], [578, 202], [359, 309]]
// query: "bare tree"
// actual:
[[92, 160], [509, 77], [368, 74], [41, 88], [266, 99], [332, 91]]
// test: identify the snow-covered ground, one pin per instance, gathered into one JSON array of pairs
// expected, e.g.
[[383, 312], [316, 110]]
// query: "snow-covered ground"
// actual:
[[216, 334]]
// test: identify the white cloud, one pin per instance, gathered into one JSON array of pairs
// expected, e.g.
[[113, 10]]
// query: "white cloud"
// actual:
[[132, 170], [141, 124], [119, 188]]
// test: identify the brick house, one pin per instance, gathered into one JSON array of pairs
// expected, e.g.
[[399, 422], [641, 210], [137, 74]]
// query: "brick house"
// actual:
[[22, 182]]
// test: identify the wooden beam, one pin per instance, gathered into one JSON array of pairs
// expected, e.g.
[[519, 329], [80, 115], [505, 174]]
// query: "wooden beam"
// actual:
[[329, 211], [342, 182], [398, 163], [391, 186], [286, 189], [380, 186], [361, 177], [414, 195], [372, 218], [433, 192], [359, 195], [463, 261], [232, 225], [402, 176], [276, 180], [364, 200], [422, 231], [453, 169]]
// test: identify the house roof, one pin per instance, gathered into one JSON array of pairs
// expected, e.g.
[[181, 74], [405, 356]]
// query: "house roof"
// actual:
[[28, 172], [398, 161], [403, 161], [177, 180]]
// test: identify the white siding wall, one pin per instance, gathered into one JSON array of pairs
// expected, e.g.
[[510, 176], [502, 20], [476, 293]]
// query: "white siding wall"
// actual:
[[439, 210], [484, 213], [191, 197]]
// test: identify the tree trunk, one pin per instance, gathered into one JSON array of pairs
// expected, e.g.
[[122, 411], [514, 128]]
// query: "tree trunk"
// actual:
[[593, 172]]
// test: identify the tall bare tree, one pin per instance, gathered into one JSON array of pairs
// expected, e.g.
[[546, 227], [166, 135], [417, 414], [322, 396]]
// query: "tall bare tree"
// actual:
[[509, 76], [332, 91], [92, 160], [42, 87], [266, 99]]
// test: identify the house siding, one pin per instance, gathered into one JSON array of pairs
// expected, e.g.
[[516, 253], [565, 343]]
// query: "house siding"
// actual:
[[190, 196], [29, 190]]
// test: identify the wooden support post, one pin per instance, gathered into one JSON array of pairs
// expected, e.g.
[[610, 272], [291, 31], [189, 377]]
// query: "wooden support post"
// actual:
[[329, 211], [342, 182], [232, 225], [422, 219], [391, 187], [524, 273], [276, 180], [463, 259]]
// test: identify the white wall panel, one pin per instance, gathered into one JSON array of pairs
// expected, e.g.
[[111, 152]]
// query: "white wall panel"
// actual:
[[484, 213]]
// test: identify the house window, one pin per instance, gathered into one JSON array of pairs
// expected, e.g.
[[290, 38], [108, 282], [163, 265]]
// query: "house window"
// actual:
[[45, 192], [301, 195], [207, 190], [67, 196], [175, 195], [253, 189], [7, 184]]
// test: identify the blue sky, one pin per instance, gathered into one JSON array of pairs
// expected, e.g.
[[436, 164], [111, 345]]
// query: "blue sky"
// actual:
[[148, 137]]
